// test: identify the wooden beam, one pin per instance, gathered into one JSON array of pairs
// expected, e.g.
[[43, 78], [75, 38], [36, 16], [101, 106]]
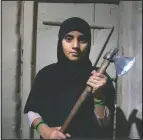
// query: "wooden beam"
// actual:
[[56, 23], [104, 44], [82, 1]]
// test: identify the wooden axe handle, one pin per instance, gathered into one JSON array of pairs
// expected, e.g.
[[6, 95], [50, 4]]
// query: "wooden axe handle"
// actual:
[[82, 98]]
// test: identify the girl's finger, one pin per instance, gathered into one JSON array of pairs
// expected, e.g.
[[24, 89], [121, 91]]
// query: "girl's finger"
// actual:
[[94, 81], [99, 81], [61, 135], [58, 128], [101, 75], [93, 72], [95, 78], [68, 135], [93, 85]]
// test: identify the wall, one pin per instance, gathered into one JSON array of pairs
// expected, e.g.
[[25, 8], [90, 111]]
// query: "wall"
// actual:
[[95, 14], [98, 14], [27, 64], [9, 67], [129, 97], [9, 57]]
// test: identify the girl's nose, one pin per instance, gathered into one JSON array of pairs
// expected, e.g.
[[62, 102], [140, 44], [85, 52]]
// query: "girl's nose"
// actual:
[[76, 44]]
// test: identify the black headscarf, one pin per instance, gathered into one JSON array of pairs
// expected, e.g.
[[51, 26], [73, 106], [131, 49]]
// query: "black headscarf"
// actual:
[[73, 24], [58, 86]]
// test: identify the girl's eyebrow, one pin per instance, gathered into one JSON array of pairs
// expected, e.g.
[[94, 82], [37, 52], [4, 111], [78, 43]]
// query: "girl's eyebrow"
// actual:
[[71, 35], [68, 35]]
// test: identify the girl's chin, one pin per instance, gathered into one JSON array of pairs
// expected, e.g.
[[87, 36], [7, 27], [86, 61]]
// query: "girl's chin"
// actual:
[[74, 59]]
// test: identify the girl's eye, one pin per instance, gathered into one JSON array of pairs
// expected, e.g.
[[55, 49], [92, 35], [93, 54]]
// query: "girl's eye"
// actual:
[[83, 39], [68, 38]]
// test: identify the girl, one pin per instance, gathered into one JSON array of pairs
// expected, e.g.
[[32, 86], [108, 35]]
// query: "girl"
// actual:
[[58, 86]]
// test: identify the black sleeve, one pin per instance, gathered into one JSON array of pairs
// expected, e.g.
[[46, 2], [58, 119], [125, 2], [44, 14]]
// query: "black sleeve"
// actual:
[[109, 92], [33, 102]]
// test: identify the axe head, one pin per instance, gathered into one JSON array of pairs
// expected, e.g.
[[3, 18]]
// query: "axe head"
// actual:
[[123, 64]]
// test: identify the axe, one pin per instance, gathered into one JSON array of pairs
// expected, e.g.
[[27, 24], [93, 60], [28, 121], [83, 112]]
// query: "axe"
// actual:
[[122, 65]]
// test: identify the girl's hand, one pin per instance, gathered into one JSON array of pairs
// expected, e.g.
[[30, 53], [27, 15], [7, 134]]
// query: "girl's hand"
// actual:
[[51, 132], [96, 80]]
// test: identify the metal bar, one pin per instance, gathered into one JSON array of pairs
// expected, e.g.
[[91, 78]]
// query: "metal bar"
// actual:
[[18, 72], [57, 23], [33, 55], [93, 21], [104, 46], [82, 1]]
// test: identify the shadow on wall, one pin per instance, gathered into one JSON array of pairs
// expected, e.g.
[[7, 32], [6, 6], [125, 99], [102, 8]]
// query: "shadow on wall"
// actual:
[[123, 126]]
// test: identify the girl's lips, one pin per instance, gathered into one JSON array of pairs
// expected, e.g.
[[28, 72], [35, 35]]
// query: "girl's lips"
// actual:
[[75, 53]]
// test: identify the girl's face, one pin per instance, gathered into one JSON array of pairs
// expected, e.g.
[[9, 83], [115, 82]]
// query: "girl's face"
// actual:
[[74, 45]]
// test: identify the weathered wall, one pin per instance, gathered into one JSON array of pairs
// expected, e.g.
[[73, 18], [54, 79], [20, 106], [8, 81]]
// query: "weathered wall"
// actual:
[[9, 65], [129, 97], [130, 41], [27, 64], [46, 37], [9, 56], [94, 14]]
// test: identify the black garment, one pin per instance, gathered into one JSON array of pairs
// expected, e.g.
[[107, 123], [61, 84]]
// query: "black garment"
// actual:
[[58, 86], [54, 103]]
